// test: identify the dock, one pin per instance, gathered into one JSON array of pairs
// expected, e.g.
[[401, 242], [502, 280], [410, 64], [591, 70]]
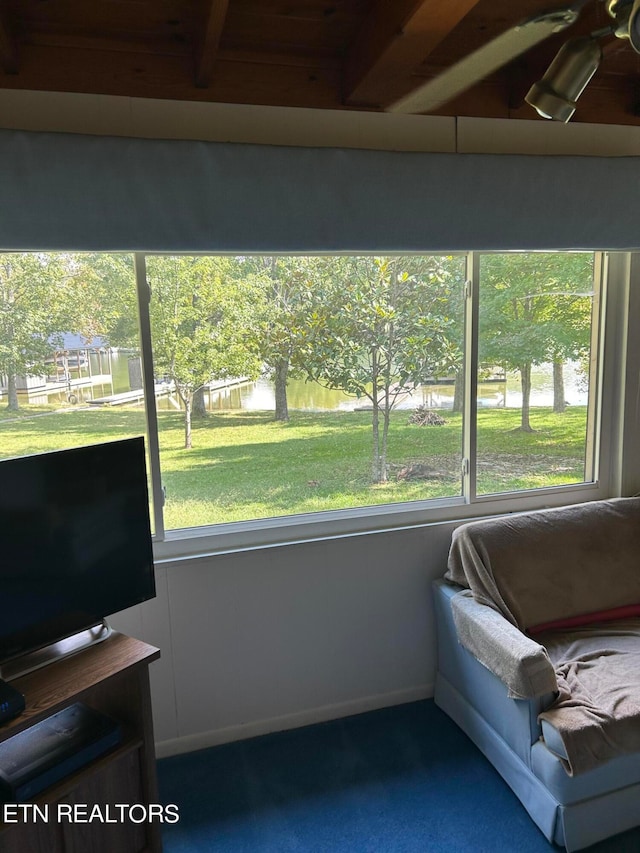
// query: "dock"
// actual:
[[163, 389], [223, 384], [135, 396]]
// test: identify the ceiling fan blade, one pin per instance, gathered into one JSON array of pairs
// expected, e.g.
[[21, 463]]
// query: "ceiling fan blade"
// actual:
[[487, 59]]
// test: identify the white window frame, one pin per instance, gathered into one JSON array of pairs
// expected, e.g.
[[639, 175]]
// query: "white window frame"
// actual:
[[611, 311]]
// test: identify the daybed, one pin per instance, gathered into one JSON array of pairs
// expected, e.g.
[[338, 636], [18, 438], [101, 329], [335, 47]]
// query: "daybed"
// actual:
[[538, 620]]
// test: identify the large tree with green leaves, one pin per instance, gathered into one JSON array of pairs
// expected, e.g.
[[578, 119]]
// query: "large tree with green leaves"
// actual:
[[377, 327], [570, 332], [41, 296], [535, 308], [203, 320], [110, 297], [283, 280]]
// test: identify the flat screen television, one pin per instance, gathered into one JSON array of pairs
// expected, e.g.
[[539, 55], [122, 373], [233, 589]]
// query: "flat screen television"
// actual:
[[75, 542]]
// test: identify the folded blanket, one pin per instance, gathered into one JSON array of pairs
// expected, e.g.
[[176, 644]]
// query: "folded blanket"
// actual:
[[597, 713]]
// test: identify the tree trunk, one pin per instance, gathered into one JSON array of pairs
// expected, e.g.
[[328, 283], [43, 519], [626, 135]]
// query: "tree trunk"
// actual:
[[525, 375], [378, 475], [375, 422], [199, 408], [12, 392], [382, 464], [559, 401], [458, 392], [187, 421], [375, 471], [280, 380]]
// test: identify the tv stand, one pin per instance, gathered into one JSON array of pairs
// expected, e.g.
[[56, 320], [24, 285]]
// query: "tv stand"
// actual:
[[112, 677], [38, 658]]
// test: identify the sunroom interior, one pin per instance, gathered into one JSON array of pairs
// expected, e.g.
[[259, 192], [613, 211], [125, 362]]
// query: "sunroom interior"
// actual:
[[276, 623]]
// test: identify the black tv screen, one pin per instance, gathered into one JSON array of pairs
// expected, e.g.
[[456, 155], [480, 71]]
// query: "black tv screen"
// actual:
[[75, 541]]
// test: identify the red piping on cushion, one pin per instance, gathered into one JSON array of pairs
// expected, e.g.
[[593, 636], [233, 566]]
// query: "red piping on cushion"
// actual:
[[624, 612]]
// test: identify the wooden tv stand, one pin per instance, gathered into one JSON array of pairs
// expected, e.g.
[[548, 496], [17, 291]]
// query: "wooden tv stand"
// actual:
[[112, 677]]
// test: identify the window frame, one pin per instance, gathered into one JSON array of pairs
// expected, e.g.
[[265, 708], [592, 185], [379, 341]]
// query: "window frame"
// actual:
[[192, 543], [593, 449]]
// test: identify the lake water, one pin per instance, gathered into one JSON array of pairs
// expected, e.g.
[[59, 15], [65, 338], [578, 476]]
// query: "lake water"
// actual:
[[311, 397]]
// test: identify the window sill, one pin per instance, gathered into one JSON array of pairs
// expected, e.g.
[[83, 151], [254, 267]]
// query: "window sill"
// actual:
[[189, 544]]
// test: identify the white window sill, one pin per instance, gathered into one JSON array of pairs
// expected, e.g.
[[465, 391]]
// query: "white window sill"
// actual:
[[194, 543]]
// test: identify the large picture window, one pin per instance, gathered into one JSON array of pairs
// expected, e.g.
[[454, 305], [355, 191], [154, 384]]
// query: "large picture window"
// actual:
[[288, 385]]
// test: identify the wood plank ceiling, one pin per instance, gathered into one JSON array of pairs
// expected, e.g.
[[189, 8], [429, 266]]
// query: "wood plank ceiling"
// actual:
[[331, 54]]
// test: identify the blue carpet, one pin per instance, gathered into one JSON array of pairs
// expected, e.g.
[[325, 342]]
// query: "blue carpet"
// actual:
[[399, 780]]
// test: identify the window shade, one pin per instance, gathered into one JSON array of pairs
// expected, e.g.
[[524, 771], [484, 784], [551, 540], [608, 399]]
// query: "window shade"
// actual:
[[66, 191]]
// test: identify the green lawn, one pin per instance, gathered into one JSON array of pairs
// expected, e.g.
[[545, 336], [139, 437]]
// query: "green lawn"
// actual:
[[243, 465]]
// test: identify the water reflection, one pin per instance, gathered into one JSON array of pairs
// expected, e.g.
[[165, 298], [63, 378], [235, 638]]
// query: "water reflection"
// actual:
[[311, 397], [98, 373], [88, 383]]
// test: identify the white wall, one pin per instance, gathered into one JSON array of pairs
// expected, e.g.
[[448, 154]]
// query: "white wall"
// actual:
[[270, 639], [273, 638]]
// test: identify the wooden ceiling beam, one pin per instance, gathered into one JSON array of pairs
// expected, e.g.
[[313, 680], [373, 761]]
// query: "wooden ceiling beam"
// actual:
[[236, 80], [209, 41], [393, 41], [8, 46]]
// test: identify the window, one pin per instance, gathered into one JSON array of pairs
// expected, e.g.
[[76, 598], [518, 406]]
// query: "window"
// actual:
[[536, 372], [289, 385], [304, 384], [63, 374]]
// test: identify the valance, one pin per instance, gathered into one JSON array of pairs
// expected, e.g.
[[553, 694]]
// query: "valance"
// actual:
[[63, 191]]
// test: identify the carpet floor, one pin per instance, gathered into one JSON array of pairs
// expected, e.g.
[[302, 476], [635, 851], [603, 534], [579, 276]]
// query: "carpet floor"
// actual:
[[399, 780]]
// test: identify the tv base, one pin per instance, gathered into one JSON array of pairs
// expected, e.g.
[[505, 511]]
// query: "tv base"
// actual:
[[38, 658]]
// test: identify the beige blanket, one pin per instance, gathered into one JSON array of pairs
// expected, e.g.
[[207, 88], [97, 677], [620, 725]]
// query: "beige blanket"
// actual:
[[597, 713], [552, 564]]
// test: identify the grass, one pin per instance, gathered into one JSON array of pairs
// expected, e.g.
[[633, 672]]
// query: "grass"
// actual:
[[244, 465]]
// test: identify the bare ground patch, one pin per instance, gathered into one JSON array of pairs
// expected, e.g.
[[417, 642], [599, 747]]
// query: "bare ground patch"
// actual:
[[500, 465]]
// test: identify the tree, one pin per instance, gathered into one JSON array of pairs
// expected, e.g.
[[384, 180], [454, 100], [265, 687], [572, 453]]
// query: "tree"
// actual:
[[450, 306], [534, 309], [110, 298], [283, 281], [375, 327], [570, 333], [40, 298], [203, 320]]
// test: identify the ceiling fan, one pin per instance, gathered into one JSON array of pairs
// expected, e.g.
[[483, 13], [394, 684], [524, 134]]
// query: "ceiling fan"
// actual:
[[555, 95]]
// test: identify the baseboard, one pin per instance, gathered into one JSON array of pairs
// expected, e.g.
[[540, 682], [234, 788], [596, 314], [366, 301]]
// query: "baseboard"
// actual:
[[216, 737]]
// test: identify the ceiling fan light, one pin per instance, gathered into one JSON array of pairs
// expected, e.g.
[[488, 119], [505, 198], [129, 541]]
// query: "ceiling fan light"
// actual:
[[634, 26], [575, 64], [548, 103]]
